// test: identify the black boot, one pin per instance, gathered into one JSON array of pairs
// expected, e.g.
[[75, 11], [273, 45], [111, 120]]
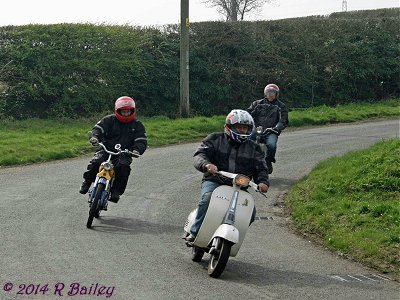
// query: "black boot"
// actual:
[[85, 187], [269, 166], [114, 197]]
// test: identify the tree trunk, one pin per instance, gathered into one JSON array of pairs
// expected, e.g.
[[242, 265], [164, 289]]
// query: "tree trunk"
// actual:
[[234, 10]]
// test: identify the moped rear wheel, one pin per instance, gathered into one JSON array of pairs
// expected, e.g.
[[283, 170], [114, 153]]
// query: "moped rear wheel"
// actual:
[[219, 260], [197, 254], [94, 207]]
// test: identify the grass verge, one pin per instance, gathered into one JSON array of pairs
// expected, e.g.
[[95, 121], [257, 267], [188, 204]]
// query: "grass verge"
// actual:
[[351, 204]]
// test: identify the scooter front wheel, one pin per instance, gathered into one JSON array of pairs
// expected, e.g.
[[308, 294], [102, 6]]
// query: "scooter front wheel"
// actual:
[[219, 259], [197, 254]]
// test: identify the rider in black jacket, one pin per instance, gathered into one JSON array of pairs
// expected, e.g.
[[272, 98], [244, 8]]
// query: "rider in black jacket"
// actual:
[[269, 112], [118, 128], [230, 151]]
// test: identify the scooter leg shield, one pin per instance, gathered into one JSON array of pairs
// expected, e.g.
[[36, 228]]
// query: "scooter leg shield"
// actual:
[[190, 220], [227, 232]]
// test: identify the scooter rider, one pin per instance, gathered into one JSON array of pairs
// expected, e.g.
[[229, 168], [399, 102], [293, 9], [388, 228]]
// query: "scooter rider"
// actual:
[[118, 128], [270, 112], [230, 151]]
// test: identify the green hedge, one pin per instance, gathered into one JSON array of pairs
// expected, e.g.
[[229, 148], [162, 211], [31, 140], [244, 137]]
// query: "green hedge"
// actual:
[[72, 70]]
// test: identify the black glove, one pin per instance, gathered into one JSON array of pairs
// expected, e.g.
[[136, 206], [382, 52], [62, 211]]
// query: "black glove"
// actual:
[[94, 141]]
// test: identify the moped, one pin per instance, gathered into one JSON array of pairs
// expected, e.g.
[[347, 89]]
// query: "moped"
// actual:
[[225, 224], [100, 191]]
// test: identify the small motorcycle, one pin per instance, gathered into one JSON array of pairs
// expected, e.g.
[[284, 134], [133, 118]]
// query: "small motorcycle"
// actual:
[[225, 224], [99, 193]]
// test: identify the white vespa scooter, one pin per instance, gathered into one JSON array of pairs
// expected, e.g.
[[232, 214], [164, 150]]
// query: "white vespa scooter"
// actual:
[[225, 224]]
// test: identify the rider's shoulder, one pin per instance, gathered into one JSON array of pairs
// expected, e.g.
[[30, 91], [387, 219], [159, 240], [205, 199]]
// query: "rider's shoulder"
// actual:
[[254, 145], [259, 101], [281, 103], [136, 122], [251, 143], [109, 117], [214, 136]]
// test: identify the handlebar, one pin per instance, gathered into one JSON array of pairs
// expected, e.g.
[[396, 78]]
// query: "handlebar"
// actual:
[[233, 176], [259, 130], [118, 147]]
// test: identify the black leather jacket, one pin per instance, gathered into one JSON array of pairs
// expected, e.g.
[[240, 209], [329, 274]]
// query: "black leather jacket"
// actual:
[[243, 158], [269, 114], [111, 131]]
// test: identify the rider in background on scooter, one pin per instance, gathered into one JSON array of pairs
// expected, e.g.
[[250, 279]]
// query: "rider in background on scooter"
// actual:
[[118, 128], [270, 112], [230, 151]]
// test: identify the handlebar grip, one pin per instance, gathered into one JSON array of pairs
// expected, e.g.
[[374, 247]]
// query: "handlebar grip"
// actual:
[[253, 185], [134, 154]]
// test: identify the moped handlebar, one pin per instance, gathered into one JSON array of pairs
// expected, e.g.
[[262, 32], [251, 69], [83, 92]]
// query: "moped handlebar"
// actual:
[[118, 147]]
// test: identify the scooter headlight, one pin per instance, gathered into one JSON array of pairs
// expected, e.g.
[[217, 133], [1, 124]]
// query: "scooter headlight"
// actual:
[[107, 166], [241, 180]]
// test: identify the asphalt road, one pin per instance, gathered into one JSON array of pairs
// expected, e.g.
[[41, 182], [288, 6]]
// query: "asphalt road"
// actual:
[[134, 250]]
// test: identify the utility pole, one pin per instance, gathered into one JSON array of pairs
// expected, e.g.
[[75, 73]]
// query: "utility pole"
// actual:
[[184, 60], [344, 5]]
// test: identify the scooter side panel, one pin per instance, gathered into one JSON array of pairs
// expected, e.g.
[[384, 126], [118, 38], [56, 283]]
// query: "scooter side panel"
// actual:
[[216, 211]]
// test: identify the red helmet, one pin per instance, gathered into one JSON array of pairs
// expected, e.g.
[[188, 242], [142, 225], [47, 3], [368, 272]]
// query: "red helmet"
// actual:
[[271, 88], [125, 102]]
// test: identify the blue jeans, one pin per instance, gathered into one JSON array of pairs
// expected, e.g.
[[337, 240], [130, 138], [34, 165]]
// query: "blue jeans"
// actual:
[[271, 140], [207, 187]]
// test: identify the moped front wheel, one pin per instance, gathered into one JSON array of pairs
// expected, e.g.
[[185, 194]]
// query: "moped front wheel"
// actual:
[[219, 259], [197, 254], [94, 207]]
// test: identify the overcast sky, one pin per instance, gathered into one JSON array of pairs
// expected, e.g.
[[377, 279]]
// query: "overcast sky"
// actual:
[[159, 12]]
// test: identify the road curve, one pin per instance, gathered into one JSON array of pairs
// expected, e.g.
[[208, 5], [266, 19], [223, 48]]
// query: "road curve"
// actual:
[[134, 250]]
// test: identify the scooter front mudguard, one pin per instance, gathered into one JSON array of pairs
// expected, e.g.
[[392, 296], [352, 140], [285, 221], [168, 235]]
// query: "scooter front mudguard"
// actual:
[[227, 232], [105, 174]]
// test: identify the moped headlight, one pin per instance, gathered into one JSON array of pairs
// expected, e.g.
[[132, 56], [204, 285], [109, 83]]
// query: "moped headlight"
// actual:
[[107, 166], [241, 180]]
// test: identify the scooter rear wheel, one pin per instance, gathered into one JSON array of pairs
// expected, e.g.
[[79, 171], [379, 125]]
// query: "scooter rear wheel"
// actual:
[[219, 260], [197, 254]]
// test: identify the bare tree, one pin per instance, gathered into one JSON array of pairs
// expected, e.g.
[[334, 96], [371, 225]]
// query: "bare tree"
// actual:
[[234, 9]]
